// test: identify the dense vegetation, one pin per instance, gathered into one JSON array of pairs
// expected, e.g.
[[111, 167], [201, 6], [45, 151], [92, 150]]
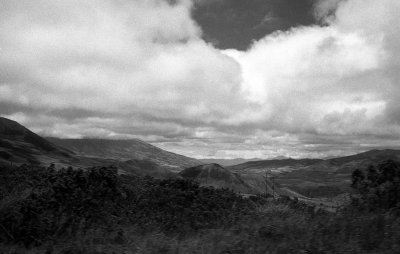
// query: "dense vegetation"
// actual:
[[98, 211], [379, 187]]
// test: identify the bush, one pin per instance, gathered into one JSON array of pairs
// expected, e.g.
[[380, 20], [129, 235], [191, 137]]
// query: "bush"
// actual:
[[98, 211], [42, 204], [48, 203], [378, 187]]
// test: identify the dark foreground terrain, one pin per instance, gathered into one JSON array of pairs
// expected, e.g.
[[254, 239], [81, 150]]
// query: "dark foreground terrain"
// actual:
[[43, 210]]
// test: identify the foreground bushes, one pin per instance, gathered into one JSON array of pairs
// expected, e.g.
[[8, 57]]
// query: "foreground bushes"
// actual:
[[42, 203], [45, 204], [98, 211], [378, 187]]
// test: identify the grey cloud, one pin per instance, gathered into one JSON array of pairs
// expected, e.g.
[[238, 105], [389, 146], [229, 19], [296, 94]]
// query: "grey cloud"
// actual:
[[325, 9]]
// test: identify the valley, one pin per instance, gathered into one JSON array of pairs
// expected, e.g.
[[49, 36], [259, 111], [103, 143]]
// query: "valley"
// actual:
[[301, 178]]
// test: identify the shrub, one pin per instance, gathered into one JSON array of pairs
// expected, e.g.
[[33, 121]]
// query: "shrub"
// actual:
[[42, 204], [378, 187]]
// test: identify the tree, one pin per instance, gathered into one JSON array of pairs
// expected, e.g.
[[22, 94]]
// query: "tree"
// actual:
[[357, 178], [379, 188]]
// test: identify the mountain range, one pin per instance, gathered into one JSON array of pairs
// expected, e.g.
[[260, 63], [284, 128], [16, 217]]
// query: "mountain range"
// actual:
[[292, 177], [19, 145]]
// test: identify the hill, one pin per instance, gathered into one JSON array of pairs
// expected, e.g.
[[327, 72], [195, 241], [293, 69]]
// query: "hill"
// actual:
[[315, 177], [146, 167], [372, 155], [19, 145], [217, 176], [220, 177], [228, 162], [275, 164], [122, 150]]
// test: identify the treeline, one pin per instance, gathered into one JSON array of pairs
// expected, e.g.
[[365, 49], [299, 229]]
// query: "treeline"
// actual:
[[43, 210]]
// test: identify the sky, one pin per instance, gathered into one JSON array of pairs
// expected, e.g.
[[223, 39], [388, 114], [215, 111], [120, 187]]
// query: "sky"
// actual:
[[207, 78]]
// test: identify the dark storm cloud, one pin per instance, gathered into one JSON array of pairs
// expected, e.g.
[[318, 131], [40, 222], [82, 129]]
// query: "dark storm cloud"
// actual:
[[237, 23]]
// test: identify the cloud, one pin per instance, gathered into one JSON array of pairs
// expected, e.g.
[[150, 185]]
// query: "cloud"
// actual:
[[302, 75], [119, 57], [124, 68], [339, 79], [325, 9]]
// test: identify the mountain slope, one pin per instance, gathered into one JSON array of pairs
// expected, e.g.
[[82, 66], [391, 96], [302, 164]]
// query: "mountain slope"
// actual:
[[146, 167], [122, 150], [371, 156], [228, 162], [315, 177], [274, 165], [217, 176], [19, 145]]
